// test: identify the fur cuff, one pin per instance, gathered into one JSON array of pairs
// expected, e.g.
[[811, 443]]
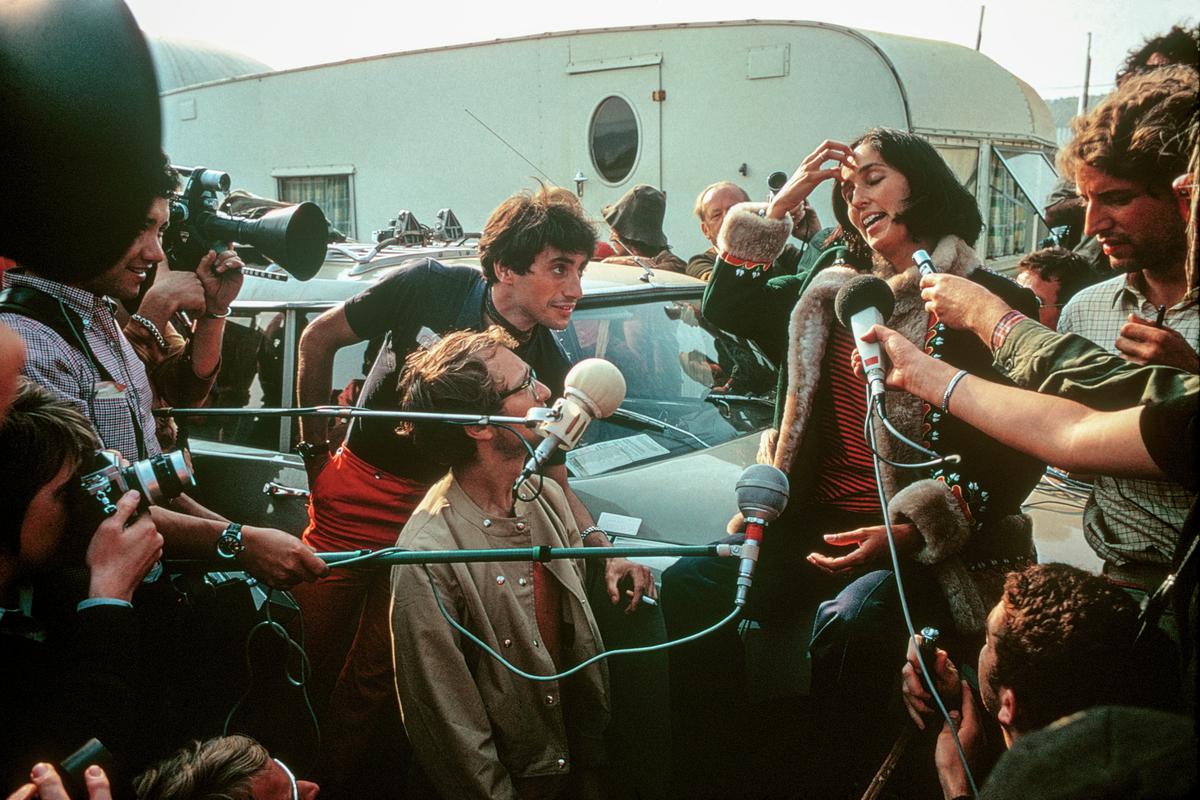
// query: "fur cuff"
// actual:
[[746, 235], [962, 596], [933, 508], [766, 446]]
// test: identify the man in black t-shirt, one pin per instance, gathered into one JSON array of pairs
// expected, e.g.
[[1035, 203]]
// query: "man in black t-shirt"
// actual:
[[534, 250]]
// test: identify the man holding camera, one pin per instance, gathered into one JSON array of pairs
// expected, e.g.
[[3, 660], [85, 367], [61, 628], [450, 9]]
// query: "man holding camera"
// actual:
[[75, 347], [65, 685]]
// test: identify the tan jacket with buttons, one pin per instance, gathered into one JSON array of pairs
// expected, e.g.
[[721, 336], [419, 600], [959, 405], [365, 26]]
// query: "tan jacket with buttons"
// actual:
[[479, 730]]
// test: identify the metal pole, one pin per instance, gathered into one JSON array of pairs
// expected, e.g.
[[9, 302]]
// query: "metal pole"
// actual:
[[388, 556], [1087, 77], [979, 33]]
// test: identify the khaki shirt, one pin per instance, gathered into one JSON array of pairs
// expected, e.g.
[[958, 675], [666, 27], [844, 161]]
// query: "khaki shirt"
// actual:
[[477, 728]]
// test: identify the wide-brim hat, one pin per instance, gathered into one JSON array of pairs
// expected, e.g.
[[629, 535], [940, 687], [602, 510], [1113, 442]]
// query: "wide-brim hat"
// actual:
[[638, 215]]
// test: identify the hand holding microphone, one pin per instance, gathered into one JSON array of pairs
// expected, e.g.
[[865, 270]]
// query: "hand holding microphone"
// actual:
[[594, 388], [863, 302]]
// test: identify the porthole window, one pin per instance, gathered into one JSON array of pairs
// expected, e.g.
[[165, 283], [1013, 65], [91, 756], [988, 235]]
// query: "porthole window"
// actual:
[[613, 139]]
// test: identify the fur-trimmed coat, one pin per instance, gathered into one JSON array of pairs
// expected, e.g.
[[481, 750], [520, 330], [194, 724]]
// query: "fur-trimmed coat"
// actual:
[[968, 514]]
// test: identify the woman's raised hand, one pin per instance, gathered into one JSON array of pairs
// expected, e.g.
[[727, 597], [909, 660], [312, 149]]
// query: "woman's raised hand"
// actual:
[[809, 174]]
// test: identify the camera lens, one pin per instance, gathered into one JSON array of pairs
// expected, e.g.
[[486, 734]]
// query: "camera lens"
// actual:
[[776, 180], [163, 477]]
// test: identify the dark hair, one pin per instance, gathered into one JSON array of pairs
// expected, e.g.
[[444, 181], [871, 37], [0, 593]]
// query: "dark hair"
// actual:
[[452, 377], [219, 769], [166, 180], [1140, 132], [1179, 45], [1071, 270], [42, 432], [527, 223], [1065, 643], [937, 205]]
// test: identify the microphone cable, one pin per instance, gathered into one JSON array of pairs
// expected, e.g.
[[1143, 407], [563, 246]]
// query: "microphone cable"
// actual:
[[869, 430], [514, 669], [293, 647]]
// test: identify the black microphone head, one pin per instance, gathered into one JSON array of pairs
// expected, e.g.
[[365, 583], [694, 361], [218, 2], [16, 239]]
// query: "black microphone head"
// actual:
[[762, 491], [863, 291]]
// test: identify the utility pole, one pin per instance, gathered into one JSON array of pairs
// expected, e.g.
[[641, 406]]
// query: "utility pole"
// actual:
[[1087, 76], [979, 33]]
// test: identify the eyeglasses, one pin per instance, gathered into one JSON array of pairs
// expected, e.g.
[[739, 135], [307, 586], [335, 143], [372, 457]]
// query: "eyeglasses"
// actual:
[[530, 380], [291, 778]]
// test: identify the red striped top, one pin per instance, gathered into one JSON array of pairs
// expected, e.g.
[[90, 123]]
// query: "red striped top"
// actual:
[[846, 476]]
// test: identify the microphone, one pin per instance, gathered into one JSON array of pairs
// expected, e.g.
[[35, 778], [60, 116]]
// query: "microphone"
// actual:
[[924, 262], [862, 302], [593, 389], [762, 494]]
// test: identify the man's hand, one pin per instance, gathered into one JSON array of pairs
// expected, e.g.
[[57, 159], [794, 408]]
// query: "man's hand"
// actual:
[[870, 545], [909, 368], [809, 175], [221, 276], [639, 576], [173, 290], [917, 699], [962, 304], [1143, 342], [47, 785], [279, 559], [805, 222], [119, 556], [951, 773]]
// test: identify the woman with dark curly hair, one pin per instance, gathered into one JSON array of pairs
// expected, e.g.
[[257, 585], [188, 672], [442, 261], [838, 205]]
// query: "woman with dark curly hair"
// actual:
[[892, 195]]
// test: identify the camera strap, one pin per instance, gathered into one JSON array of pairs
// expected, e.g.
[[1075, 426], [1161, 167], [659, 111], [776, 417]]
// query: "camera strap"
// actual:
[[55, 315]]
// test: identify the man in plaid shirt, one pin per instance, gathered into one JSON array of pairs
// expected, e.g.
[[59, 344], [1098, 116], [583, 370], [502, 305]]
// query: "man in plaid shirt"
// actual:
[[1124, 157], [110, 387]]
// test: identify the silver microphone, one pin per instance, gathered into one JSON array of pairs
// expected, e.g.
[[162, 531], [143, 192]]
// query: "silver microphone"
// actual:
[[593, 390], [762, 494]]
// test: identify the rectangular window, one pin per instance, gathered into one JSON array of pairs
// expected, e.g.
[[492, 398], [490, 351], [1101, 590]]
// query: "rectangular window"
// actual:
[[331, 192]]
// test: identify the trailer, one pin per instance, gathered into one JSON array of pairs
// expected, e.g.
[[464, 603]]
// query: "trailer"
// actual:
[[597, 111]]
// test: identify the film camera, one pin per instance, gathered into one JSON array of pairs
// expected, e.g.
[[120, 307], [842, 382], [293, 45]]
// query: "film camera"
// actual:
[[293, 237], [157, 479]]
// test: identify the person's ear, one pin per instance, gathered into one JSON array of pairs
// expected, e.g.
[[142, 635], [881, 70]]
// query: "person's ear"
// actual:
[[480, 433], [504, 275], [1007, 712]]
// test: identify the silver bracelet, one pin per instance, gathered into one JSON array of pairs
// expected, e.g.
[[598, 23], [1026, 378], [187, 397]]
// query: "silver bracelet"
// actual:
[[150, 326], [958, 376], [214, 315], [589, 530]]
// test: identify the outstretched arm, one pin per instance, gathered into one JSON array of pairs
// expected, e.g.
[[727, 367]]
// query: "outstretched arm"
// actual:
[[1049, 428]]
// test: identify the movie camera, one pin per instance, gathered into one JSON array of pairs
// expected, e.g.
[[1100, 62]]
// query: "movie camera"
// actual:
[[293, 237]]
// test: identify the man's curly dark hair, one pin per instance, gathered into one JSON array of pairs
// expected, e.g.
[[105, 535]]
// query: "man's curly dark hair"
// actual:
[[1065, 643], [1140, 132], [1180, 45]]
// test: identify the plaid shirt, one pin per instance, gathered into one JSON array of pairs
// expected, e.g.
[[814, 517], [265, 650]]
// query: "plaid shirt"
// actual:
[[113, 407], [1131, 521]]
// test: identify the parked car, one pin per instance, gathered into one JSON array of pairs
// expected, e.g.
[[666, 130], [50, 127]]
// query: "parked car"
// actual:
[[661, 469]]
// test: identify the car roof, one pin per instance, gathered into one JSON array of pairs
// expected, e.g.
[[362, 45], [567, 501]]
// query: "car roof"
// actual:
[[340, 277]]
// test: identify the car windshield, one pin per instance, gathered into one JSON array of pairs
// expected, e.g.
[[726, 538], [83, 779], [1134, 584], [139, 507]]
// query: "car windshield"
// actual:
[[689, 385]]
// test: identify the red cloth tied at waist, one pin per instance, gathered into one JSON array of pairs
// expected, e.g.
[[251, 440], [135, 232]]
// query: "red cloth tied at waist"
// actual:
[[356, 506]]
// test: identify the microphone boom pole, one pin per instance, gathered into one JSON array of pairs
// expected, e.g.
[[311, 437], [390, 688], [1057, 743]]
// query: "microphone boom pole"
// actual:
[[535, 416], [391, 556]]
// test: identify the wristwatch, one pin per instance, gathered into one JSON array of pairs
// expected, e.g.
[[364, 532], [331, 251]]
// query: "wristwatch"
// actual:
[[229, 543], [310, 450]]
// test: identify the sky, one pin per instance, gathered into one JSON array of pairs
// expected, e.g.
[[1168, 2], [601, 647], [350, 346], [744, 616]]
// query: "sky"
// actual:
[[1044, 42]]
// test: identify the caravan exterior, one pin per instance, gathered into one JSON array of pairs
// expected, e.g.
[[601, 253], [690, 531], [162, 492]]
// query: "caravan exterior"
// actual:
[[676, 106]]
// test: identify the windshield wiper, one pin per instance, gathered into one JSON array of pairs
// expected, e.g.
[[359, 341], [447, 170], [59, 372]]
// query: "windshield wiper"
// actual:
[[719, 399], [657, 424]]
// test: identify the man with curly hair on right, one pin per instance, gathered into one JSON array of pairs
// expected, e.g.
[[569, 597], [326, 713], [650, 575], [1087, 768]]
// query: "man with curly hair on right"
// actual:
[[1060, 644], [1124, 156]]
